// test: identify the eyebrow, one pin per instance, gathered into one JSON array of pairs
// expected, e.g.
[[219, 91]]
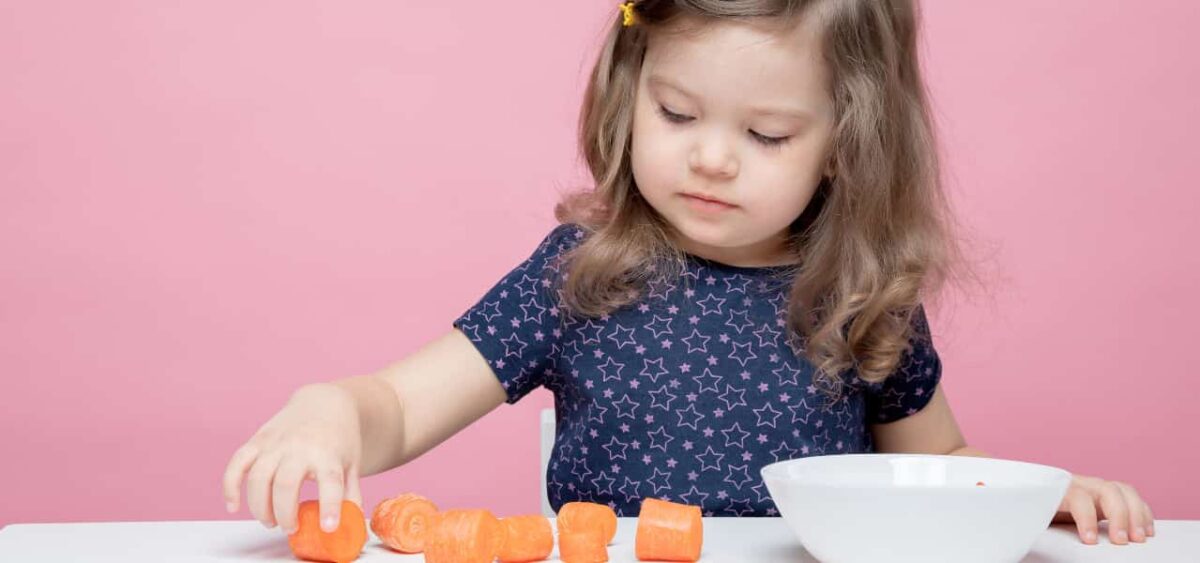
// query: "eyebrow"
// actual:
[[662, 82]]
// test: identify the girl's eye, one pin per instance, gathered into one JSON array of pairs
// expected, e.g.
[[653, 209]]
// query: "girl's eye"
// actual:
[[764, 140], [770, 141], [672, 116]]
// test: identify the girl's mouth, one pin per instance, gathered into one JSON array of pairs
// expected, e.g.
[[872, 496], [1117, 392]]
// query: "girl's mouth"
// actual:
[[707, 205]]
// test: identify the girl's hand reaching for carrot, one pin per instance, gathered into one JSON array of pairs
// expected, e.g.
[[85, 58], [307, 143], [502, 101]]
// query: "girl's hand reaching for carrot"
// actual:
[[1091, 499], [314, 436]]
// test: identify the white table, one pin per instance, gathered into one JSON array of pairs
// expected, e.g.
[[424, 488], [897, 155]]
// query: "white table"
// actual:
[[725, 540]]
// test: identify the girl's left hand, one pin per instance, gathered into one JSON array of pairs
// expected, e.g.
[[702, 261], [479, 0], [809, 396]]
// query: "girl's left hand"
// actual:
[[1091, 499]]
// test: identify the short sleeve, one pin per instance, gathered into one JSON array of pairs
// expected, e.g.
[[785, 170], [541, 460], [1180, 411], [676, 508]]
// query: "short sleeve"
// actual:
[[908, 389], [516, 325]]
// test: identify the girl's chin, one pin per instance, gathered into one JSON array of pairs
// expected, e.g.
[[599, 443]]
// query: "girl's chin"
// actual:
[[704, 235]]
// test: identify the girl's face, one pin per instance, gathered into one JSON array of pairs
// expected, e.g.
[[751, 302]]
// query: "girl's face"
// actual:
[[738, 114]]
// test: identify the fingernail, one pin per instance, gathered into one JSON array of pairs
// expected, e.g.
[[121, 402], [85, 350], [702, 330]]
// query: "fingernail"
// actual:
[[1139, 533], [231, 507], [1122, 536], [329, 523], [1150, 530], [1090, 536]]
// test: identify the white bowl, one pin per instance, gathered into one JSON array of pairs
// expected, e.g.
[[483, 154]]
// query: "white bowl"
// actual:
[[927, 508]]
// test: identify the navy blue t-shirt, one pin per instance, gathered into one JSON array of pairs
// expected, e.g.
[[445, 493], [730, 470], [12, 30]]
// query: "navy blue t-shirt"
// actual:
[[685, 394]]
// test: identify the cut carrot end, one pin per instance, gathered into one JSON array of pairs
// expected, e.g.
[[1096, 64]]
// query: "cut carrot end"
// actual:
[[402, 522], [583, 516], [669, 531]]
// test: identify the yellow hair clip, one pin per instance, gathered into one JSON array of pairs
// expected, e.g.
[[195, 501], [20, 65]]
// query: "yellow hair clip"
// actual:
[[627, 8]]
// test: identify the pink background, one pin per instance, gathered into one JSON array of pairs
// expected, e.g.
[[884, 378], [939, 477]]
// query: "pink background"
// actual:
[[204, 206]]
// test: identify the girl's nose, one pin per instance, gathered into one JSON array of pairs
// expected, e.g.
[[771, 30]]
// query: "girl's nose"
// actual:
[[713, 157]]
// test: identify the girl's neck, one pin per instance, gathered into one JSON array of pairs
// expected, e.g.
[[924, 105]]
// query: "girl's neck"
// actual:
[[771, 252]]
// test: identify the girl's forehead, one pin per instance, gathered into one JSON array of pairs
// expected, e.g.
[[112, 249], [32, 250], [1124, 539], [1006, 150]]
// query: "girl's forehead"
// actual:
[[736, 58]]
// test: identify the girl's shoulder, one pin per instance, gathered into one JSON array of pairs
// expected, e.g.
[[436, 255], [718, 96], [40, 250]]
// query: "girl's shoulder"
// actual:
[[547, 258], [563, 238], [570, 234]]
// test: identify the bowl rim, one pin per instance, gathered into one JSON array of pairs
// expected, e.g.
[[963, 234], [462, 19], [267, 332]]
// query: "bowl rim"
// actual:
[[775, 470]]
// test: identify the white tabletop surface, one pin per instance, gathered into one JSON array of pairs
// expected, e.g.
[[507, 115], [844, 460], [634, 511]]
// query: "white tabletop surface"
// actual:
[[725, 539]]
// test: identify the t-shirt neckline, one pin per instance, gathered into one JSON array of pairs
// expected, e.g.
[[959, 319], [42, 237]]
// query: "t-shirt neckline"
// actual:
[[748, 270]]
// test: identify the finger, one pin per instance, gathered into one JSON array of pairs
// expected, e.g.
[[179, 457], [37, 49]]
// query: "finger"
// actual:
[[285, 492], [258, 489], [1149, 521], [1082, 506], [1112, 503], [235, 471], [353, 490], [331, 488], [1137, 512]]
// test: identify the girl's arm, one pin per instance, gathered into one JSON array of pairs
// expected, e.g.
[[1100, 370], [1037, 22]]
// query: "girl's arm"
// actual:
[[420, 401], [933, 430]]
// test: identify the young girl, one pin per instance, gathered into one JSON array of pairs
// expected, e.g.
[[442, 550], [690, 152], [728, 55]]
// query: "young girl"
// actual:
[[744, 285]]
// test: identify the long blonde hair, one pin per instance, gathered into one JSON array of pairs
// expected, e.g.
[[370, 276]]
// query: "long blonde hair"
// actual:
[[874, 244]]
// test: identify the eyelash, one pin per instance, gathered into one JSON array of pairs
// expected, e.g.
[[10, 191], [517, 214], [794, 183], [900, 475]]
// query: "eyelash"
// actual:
[[769, 142]]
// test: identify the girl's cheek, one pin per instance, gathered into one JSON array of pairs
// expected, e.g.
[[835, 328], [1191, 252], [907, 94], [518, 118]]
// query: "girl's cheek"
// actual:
[[656, 162]]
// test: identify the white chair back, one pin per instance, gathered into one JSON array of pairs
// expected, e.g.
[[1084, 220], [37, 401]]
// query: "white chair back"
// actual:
[[547, 439]]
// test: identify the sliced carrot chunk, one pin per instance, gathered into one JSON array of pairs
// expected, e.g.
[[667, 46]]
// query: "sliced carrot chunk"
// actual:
[[526, 538], [464, 536], [402, 522], [582, 546], [583, 516], [339, 546], [668, 531]]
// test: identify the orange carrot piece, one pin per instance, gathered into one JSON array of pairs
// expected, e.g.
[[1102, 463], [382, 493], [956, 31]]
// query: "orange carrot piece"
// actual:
[[582, 546], [526, 538], [402, 522], [668, 531], [464, 536], [582, 516], [339, 546]]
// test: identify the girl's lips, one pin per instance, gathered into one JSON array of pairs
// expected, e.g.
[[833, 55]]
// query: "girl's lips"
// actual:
[[705, 205]]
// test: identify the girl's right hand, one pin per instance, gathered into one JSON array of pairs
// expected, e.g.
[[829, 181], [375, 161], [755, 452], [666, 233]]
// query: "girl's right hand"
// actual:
[[314, 436]]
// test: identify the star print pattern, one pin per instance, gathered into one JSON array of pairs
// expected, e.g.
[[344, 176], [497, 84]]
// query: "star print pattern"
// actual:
[[686, 393]]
